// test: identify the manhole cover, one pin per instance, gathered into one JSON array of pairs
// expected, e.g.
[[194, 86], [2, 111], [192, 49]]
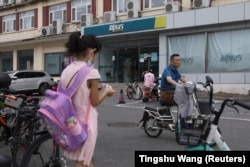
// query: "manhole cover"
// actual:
[[122, 124]]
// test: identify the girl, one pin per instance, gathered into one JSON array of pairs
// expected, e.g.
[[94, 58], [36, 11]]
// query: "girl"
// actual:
[[85, 49]]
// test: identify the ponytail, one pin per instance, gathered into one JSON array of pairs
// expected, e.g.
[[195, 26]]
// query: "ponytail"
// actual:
[[78, 44]]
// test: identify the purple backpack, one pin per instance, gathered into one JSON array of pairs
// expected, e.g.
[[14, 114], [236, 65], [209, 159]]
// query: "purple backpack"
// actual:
[[60, 117]]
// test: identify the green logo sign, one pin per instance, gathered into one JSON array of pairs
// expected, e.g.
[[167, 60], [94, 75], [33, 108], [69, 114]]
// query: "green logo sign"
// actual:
[[231, 58], [186, 61]]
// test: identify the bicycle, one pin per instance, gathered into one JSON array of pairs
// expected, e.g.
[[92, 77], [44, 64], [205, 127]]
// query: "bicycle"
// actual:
[[134, 91], [44, 152], [24, 124], [209, 128]]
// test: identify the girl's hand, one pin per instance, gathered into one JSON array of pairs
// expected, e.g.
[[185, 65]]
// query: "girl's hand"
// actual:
[[110, 92]]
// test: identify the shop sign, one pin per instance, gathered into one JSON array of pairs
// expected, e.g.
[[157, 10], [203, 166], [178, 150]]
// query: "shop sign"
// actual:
[[134, 25], [187, 61], [231, 58], [116, 27]]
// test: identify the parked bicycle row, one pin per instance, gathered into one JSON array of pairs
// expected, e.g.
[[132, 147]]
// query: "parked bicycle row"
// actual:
[[20, 128]]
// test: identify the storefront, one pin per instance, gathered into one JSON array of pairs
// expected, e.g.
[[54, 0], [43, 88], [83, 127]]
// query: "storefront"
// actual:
[[128, 48]]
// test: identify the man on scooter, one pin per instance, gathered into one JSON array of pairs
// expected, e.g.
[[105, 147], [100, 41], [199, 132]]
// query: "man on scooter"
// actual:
[[169, 80]]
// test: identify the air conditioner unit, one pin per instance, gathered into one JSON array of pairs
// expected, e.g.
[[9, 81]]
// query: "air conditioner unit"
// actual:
[[172, 6], [8, 2], [1, 3], [86, 20], [57, 26], [133, 8], [201, 3], [109, 16], [46, 31]]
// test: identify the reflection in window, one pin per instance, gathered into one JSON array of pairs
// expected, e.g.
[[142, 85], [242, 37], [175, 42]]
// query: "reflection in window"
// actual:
[[25, 59], [228, 51], [153, 3], [6, 61], [9, 23], [27, 20], [120, 6], [192, 60], [80, 7], [56, 62], [57, 12]]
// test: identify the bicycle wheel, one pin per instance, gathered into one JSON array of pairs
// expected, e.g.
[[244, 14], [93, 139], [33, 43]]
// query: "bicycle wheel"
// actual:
[[130, 92], [137, 93], [44, 152], [22, 138]]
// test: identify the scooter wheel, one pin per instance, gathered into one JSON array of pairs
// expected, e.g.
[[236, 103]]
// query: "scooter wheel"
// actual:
[[151, 128]]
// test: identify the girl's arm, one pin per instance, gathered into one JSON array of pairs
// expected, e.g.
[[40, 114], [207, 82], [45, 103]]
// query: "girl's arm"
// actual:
[[95, 97]]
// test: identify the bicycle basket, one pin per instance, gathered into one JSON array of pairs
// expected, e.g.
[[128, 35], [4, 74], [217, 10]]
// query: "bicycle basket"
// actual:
[[190, 133]]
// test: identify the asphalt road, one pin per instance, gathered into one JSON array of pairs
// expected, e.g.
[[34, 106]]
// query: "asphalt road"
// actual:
[[119, 137]]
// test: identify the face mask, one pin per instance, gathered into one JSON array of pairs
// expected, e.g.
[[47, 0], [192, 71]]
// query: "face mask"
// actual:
[[89, 62]]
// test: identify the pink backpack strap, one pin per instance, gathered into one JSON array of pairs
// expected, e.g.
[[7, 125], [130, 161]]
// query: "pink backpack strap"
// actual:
[[81, 75], [87, 112]]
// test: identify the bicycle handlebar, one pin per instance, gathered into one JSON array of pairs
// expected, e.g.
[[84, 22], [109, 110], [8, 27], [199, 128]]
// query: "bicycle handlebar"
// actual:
[[233, 102], [242, 104], [209, 82]]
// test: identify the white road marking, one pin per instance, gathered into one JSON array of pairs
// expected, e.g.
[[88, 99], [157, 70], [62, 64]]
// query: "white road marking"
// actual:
[[124, 105], [128, 105], [237, 119]]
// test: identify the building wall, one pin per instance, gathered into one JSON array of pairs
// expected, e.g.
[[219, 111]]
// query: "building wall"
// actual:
[[15, 41], [70, 27]]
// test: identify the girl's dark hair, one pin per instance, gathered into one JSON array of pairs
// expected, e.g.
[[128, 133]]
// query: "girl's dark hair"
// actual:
[[80, 44]]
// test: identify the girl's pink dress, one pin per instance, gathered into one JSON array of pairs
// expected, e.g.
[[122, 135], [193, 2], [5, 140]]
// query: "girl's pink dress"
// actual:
[[80, 101]]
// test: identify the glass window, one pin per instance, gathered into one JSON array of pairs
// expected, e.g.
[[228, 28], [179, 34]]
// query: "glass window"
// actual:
[[229, 51], [25, 59], [21, 75], [57, 12], [192, 60], [26, 20], [123, 62], [6, 61], [149, 58], [9, 23], [120, 6], [56, 62], [80, 7], [153, 3]]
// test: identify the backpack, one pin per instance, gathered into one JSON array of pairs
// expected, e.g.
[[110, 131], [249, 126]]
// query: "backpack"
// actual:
[[57, 109]]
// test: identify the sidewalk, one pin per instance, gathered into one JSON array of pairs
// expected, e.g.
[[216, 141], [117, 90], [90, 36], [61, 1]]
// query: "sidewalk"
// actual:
[[216, 96], [223, 95]]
